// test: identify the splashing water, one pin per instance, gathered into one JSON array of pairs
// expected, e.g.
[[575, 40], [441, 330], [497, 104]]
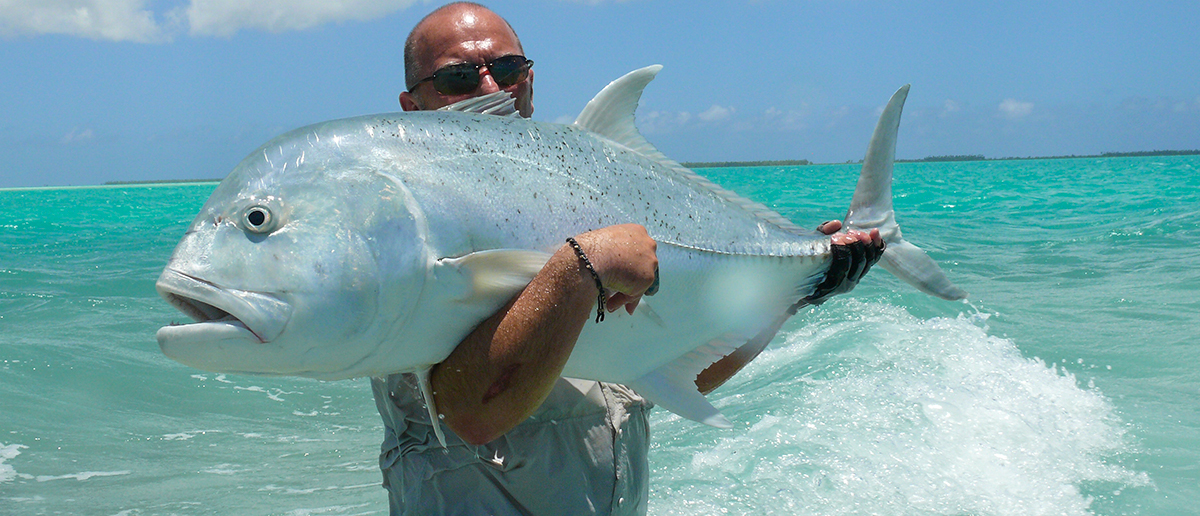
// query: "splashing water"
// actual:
[[870, 408]]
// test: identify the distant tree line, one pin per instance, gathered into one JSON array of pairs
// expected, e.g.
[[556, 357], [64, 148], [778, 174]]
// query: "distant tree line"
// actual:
[[1135, 154], [930, 159], [1140, 154], [980, 157]]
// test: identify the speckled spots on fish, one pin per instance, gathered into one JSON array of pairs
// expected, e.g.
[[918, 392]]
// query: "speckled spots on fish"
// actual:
[[563, 177]]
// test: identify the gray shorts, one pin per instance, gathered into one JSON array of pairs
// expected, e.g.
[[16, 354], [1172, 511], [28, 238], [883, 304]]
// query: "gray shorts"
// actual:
[[582, 452]]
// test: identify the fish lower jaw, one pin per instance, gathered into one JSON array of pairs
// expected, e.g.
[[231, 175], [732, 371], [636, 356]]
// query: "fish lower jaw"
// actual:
[[226, 346], [204, 313], [225, 329], [220, 346], [263, 315]]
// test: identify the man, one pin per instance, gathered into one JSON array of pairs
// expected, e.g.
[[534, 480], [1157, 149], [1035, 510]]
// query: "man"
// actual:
[[523, 440]]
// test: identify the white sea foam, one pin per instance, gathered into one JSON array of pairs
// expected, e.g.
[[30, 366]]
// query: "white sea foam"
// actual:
[[82, 476], [310, 490], [885, 413], [334, 509], [272, 394], [224, 469], [185, 436], [8, 452]]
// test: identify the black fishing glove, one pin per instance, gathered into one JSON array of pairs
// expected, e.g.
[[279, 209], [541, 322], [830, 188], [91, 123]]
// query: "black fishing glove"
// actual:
[[850, 263]]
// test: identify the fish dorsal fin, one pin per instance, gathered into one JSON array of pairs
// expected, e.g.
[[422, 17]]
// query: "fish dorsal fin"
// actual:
[[499, 103], [611, 114]]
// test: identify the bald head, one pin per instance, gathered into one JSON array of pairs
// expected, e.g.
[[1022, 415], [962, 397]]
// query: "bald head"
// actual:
[[460, 32]]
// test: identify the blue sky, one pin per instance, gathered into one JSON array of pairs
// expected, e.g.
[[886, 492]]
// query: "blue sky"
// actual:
[[104, 90]]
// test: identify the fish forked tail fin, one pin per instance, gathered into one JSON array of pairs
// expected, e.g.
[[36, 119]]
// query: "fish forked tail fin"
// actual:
[[871, 208]]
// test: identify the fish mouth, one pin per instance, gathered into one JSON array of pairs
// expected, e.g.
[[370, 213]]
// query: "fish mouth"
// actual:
[[220, 314]]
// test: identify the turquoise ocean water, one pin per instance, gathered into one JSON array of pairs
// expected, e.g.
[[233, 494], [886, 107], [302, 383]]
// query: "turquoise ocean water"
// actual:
[[1069, 383]]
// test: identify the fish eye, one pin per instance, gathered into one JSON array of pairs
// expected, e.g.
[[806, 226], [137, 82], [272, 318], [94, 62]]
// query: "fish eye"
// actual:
[[258, 219]]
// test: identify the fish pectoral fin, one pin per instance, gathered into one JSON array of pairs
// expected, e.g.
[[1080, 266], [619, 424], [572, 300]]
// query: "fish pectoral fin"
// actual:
[[493, 275], [673, 386]]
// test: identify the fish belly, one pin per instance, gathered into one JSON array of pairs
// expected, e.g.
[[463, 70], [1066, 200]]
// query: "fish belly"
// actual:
[[706, 301]]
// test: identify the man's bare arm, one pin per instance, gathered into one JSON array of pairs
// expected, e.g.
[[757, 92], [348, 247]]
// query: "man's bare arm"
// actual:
[[503, 371]]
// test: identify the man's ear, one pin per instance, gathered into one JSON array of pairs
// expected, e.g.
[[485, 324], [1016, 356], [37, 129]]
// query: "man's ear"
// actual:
[[408, 102]]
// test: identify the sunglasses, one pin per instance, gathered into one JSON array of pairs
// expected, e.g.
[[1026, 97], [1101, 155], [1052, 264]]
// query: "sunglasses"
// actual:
[[463, 78]]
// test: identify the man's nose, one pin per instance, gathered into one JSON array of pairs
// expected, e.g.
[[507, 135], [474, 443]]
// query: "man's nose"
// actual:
[[487, 84]]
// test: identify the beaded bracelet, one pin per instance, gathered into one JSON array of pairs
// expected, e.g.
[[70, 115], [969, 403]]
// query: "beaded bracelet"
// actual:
[[599, 286]]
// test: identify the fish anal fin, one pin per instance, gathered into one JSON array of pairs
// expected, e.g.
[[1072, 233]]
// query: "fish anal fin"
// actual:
[[679, 398], [722, 370], [673, 386]]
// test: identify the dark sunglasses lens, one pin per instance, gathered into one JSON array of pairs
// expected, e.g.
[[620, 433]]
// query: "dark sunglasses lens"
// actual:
[[456, 79], [509, 70]]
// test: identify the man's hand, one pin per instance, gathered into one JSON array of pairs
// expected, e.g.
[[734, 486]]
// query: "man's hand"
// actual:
[[854, 253], [624, 257]]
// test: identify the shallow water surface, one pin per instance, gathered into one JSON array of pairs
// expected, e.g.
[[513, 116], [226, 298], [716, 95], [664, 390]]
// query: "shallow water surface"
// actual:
[[1067, 384]]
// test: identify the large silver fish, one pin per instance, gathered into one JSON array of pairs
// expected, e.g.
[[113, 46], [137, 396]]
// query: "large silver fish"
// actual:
[[374, 245]]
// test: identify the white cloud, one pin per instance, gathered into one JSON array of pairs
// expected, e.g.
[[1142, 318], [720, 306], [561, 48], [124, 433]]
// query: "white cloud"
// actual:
[[134, 20], [76, 135], [226, 17], [662, 121], [113, 20], [716, 113], [835, 117], [791, 119], [1015, 109], [949, 108], [1187, 107]]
